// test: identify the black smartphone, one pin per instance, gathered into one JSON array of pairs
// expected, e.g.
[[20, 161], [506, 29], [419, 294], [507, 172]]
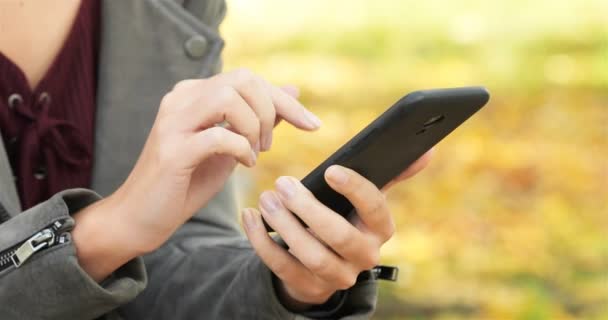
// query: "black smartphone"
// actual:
[[397, 138]]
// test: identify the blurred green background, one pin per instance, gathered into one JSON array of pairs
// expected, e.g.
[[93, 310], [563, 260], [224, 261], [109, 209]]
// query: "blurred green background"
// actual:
[[510, 220]]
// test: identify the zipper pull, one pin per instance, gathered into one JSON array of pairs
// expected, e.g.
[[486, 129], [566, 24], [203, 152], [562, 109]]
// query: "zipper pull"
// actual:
[[62, 225], [32, 245], [42, 240]]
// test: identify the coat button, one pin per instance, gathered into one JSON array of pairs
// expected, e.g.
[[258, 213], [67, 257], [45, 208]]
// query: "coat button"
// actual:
[[196, 46]]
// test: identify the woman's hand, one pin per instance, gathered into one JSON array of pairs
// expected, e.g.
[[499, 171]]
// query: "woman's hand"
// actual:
[[186, 160], [329, 255]]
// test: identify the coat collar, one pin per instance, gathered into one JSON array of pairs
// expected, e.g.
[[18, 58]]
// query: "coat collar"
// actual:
[[146, 47]]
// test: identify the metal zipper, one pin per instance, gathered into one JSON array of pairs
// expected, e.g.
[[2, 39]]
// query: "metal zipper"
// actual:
[[52, 235]]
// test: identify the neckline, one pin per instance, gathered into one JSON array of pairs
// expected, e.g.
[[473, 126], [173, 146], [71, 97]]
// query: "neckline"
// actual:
[[67, 41]]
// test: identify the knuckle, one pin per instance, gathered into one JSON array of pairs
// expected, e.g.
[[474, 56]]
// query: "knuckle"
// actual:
[[371, 259], [244, 76], [226, 96], [185, 84], [347, 281], [342, 240], [178, 85], [269, 116], [318, 293], [390, 229], [319, 264], [167, 100], [386, 230], [280, 268], [377, 204]]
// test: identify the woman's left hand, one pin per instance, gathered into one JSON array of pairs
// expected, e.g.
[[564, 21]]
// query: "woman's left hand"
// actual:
[[329, 254]]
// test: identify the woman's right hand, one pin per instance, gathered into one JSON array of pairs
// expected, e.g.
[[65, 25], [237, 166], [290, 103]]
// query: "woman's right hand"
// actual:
[[186, 160]]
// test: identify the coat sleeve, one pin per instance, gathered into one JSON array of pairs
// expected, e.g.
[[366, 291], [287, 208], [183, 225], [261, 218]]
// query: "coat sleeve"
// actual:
[[50, 284], [208, 270]]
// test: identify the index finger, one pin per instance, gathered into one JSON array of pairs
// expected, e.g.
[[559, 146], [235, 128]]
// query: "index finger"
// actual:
[[291, 110]]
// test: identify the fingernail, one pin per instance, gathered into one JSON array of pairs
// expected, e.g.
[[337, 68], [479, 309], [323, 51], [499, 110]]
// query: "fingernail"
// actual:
[[312, 119], [269, 202], [337, 175], [286, 187], [249, 219], [253, 158], [256, 148], [267, 142]]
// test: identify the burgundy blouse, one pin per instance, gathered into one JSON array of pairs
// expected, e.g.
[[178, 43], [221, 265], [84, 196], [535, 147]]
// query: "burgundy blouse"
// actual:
[[48, 130]]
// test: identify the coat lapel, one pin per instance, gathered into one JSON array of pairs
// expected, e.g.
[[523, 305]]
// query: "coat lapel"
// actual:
[[9, 200]]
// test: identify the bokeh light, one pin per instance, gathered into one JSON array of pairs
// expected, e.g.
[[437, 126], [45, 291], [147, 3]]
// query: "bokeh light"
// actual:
[[510, 221]]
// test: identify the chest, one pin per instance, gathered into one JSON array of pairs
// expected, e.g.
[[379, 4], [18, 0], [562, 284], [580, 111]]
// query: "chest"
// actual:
[[32, 33], [47, 126], [146, 46]]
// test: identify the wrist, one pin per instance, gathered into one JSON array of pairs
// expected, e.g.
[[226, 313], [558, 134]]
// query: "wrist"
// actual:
[[294, 302], [101, 239]]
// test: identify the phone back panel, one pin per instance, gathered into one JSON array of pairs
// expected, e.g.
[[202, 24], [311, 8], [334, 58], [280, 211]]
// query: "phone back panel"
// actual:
[[397, 138]]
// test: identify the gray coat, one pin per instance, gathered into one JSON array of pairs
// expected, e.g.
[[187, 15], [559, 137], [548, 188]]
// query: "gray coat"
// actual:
[[207, 270]]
